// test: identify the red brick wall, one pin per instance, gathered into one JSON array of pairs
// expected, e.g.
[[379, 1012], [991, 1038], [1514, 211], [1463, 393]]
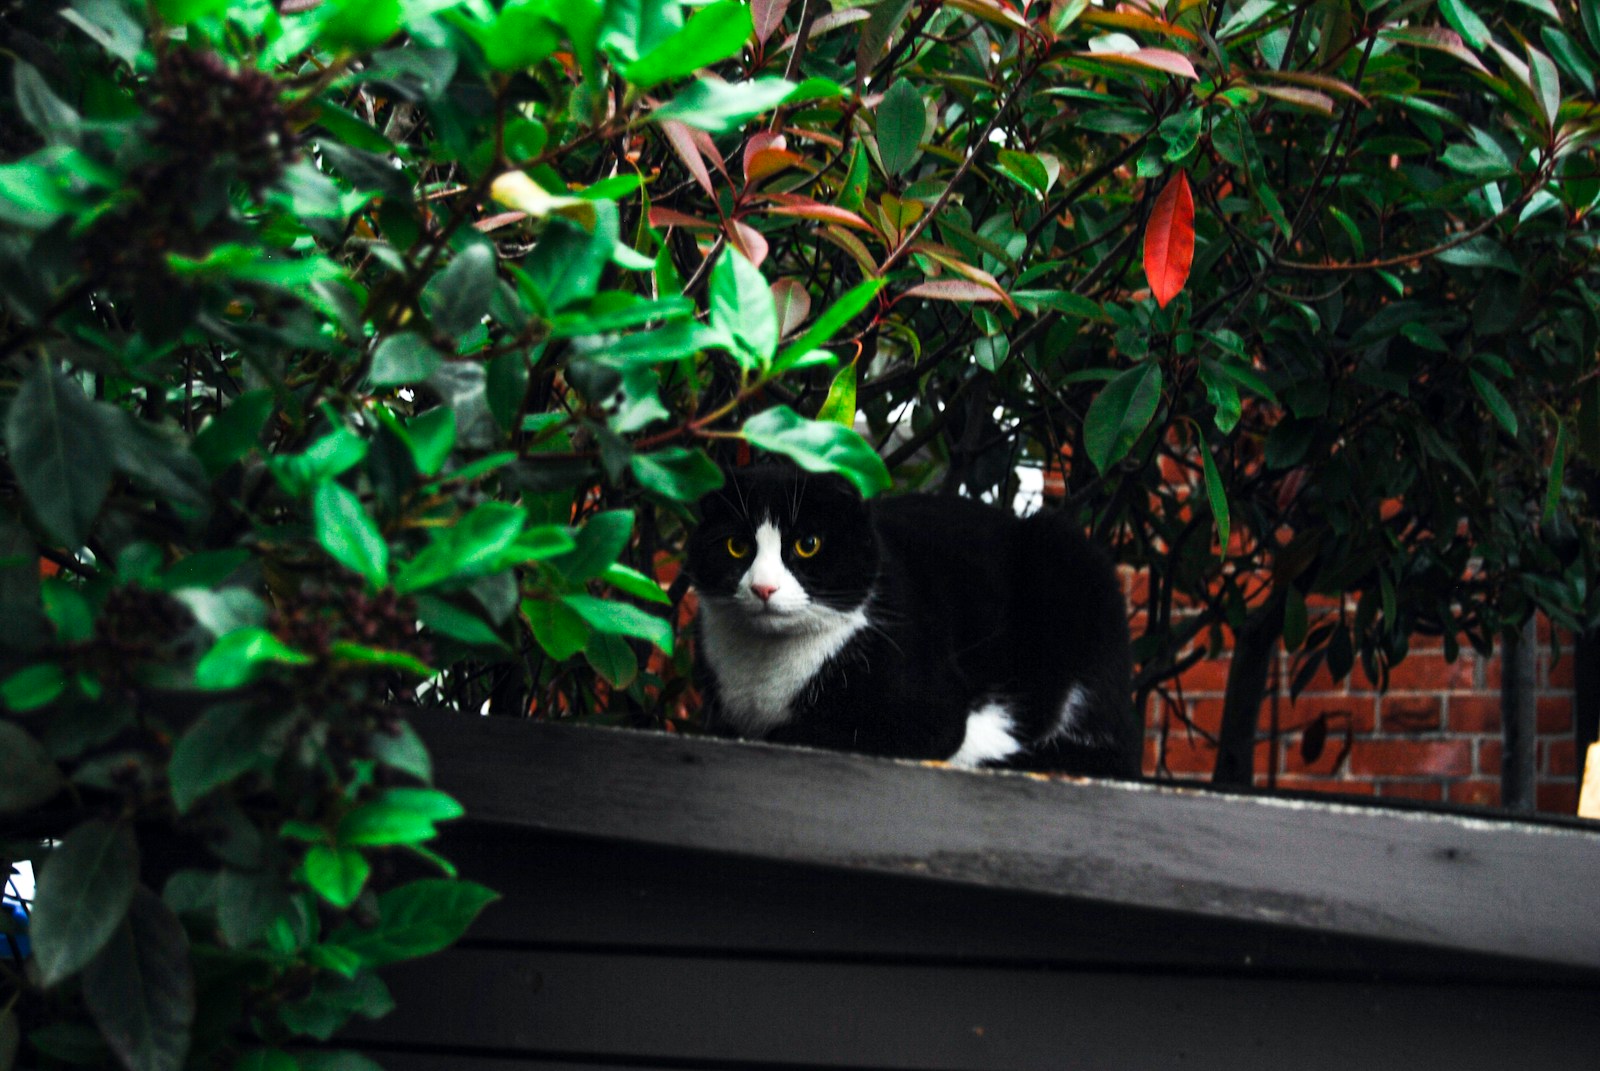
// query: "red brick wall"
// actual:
[[1435, 735]]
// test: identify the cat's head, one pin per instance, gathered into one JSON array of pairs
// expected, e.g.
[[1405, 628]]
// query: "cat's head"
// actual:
[[785, 550]]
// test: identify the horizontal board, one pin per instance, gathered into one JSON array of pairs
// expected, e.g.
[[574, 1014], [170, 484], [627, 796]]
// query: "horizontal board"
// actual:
[[565, 892], [632, 1009], [1477, 885]]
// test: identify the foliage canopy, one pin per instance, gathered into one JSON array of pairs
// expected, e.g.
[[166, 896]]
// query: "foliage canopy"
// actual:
[[358, 354]]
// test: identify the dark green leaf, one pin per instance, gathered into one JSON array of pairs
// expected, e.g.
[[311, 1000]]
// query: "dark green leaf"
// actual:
[[1217, 496], [558, 628], [59, 453], [27, 775], [402, 359], [140, 989], [458, 298], [248, 903], [902, 121], [610, 656], [415, 920], [33, 687], [52, 118], [447, 619], [1120, 414], [403, 750], [1496, 402], [228, 741], [234, 432], [601, 540], [82, 896], [819, 447], [1465, 22], [1558, 473]]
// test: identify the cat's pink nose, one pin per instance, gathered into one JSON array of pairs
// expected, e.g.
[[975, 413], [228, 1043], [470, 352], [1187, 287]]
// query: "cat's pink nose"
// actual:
[[763, 591]]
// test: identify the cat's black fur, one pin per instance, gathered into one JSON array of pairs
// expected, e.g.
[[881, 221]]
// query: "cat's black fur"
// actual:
[[921, 612]]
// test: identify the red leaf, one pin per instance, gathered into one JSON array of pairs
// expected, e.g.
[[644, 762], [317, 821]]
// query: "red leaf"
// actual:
[[767, 16], [793, 204], [1150, 59], [671, 217], [1169, 240], [683, 143], [954, 290], [747, 240]]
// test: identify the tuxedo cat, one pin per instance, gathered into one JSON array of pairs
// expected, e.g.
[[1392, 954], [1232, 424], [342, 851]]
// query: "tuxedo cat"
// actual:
[[914, 626]]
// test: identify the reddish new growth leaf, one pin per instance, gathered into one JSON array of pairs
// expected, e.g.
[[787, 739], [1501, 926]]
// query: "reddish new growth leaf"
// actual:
[[1169, 240]]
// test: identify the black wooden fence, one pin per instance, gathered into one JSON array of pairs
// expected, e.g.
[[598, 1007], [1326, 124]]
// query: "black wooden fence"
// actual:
[[673, 903]]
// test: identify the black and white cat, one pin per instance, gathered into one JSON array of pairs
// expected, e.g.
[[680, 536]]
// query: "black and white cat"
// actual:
[[913, 626]]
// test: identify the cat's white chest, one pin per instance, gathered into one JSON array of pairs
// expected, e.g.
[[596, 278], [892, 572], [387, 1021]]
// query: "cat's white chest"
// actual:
[[759, 675]]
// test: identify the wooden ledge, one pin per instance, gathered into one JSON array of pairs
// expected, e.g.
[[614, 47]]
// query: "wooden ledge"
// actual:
[[1475, 884]]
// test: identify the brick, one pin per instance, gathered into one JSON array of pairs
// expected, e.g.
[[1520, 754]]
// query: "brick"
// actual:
[[1554, 713], [1560, 758], [1412, 790], [1431, 673], [1478, 793], [1183, 755], [1209, 675], [1410, 713], [1474, 714], [1326, 784], [1559, 674], [1557, 797], [1357, 710], [1411, 758], [1491, 754]]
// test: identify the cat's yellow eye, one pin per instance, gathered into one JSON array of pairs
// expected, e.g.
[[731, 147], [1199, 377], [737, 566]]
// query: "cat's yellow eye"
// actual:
[[807, 546], [738, 548]]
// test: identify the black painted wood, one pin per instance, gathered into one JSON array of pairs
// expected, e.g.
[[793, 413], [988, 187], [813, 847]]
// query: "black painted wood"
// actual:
[[1439, 882], [679, 1010]]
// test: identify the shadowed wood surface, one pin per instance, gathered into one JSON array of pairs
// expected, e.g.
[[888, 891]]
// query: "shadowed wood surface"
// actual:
[[673, 904], [1470, 884]]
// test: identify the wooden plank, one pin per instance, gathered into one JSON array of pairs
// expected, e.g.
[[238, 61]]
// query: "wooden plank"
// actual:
[[564, 892], [1475, 884], [739, 1013]]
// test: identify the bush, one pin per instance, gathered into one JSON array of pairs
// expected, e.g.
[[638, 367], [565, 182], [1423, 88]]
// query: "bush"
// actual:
[[364, 354]]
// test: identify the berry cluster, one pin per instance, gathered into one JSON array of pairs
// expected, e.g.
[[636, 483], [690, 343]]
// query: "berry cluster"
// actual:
[[205, 110]]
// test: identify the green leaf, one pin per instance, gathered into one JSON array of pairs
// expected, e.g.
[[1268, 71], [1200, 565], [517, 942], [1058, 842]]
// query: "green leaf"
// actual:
[[1464, 21], [601, 540], [902, 121], [349, 534], [1120, 413], [457, 299], [819, 447], [447, 619], [336, 874], [610, 656], [677, 473], [824, 327], [266, 1060], [472, 548], [227, 742], [59, 453], [621, 619], [632, 28], [712, 34], [33, 687], [402, 359], [364, 655], [632, 582], [742, 310], [28, 777], [1495, 401], [853, 192], [329, 457], [1558, 473], [379, 823], [1217, 496], [240, 656], [557, 627], [431, 436], [249, 904], [402, 749], [415, 920], [839, 406], [82, 896], [140, 989], [234, 432], [722, 107]]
